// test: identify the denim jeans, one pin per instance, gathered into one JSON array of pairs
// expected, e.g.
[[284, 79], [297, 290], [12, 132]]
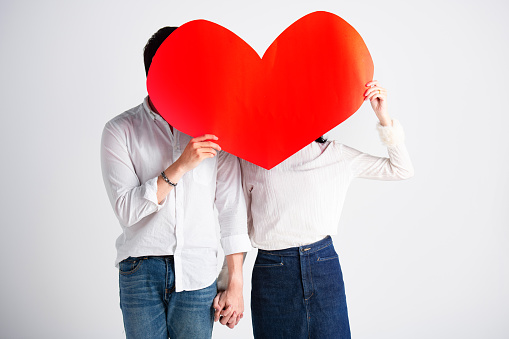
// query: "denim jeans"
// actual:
[[152, 309], [298, 293]]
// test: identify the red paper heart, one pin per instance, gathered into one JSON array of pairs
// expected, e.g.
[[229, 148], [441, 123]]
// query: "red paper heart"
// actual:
[[205, 79]]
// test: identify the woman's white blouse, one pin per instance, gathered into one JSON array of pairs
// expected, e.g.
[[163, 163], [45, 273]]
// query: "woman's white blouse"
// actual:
[[300, 200]]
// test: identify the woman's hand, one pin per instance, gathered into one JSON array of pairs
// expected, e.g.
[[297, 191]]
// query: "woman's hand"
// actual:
[[229, 306], [377, 96]]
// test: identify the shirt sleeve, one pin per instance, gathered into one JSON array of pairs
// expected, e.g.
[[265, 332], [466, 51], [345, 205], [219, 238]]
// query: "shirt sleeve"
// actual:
[[397, 166], [130, 199], [247, 196], [231, 205]]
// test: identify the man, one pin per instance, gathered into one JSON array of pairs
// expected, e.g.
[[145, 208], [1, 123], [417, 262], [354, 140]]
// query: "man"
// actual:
[[163, 186]]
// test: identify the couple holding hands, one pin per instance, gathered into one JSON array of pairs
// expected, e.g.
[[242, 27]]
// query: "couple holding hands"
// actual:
[[165, 187]]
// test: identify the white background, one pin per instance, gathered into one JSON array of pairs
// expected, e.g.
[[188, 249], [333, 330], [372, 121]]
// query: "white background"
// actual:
[[423, 258]]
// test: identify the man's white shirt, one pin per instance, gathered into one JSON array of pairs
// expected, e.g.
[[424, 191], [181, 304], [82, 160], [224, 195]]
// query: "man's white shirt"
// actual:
[[136, 147]]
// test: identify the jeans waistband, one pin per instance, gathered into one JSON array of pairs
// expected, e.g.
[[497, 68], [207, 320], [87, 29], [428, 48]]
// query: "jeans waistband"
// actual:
[[152, 257], [305, 249]]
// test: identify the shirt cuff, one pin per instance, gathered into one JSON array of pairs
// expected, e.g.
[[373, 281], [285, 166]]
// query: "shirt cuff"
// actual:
[[236, 244], [391, 135], [151, 193]]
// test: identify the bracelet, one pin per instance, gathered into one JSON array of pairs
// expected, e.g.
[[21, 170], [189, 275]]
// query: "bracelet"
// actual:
[[168, 180]]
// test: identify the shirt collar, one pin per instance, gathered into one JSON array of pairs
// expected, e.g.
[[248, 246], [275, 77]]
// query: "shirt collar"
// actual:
[[150, 112]]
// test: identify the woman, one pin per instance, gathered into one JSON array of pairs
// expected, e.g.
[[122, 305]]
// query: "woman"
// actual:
[[297, 284]]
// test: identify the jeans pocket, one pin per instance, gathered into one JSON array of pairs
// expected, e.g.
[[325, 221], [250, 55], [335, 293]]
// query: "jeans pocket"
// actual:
[[327, 258], [267, 260], [129, 265]]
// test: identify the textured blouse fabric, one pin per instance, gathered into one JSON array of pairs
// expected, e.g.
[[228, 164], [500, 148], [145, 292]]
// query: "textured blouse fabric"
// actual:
[[300, 200]]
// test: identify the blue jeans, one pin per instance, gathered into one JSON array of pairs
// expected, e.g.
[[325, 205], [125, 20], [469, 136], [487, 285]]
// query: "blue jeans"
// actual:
[[298, 293], [152, 309]]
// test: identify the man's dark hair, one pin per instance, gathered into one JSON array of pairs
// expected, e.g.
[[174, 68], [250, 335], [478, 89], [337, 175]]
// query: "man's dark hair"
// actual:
[[153, 44]]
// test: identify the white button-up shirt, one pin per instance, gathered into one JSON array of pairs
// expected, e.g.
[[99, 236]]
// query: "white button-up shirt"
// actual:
[[300, 200], [136, 146]]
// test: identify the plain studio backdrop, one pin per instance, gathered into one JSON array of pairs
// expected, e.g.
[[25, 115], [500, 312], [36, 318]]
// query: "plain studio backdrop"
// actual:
[[422, 258]]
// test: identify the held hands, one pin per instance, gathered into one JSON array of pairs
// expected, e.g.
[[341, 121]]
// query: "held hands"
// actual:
[[197, 149], [377, 96], [229, 306]]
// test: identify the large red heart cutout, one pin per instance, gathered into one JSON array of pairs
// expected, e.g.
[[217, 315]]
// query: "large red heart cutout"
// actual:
[[205, 79]]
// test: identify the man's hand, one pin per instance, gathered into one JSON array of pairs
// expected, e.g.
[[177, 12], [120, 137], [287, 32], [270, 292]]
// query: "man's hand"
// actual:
[[197, 149], [229, 306]]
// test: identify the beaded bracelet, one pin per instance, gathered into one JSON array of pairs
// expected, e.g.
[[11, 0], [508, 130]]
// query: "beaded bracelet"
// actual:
[[168, 180]]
